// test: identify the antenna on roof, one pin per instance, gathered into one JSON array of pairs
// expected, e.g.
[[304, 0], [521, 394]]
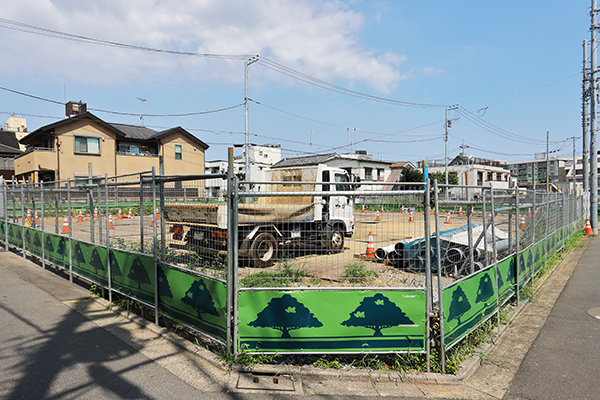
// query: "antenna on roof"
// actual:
[[142, 114]]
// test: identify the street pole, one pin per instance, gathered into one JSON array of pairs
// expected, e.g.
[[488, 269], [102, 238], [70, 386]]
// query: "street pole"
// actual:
[[574, 160], [247, 142], [593, 141], [548, 161], [584, 118]]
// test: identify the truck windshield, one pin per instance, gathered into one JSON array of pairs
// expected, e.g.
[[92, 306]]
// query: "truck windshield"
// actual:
[[342, 178]]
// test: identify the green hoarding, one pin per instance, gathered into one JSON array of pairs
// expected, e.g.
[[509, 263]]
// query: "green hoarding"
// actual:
[[467, 303], [323, 321], [193, 300], [56, 250], [132, 274]]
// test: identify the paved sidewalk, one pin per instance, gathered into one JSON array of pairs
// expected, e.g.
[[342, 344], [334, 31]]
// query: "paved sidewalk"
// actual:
[[563, 362]]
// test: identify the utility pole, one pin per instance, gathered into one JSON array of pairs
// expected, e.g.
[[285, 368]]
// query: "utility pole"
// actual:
[[548, 160], [247, 64], [584, 119], [448, 124], [593, 141], [574, 160]]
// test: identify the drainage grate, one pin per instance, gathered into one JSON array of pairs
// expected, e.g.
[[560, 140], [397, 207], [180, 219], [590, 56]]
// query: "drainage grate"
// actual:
[[255, 381]]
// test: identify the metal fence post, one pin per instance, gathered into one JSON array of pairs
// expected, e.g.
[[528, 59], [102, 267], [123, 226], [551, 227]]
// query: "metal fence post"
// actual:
[[109, 272], [438, 256], [428, 291], [230, 250], [518, 244], [43, 225], [533, 206], [70, 221], [495, 254], [5, 187], [155, 250], [24, 216], [142, 213]]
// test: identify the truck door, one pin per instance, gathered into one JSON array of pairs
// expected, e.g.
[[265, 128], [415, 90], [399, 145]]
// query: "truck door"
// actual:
[[341, 205]]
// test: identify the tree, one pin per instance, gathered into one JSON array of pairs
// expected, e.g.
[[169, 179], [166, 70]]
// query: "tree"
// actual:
[[458, 305], [285, 313], [485, 289], [199, 298], [377, 313], [138, 273], [441, 177], [411, 175]]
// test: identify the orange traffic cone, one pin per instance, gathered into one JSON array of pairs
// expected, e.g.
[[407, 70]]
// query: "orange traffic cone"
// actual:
[[382, 210], [130, 216], [370, 246], [29, 214], [110, 223], [411, 217], [447, 219], [80, 216], [522, 224], [363, 208], [460, 214], [588, 227], [36, 217], [529, 212], [65, 228], [402, 210], [157, 213], [120, 214], [377, 217], [95, 213]]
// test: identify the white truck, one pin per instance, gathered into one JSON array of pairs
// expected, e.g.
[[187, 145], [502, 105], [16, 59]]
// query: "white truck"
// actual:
[[274, 223]]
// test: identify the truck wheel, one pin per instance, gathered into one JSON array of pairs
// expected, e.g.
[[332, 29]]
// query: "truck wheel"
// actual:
[[335, 243], [263, 251]]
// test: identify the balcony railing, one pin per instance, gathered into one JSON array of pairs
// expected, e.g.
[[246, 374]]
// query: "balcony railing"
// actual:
[[129, 153]]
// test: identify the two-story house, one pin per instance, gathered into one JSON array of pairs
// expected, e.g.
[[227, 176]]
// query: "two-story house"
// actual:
[[64, 149]]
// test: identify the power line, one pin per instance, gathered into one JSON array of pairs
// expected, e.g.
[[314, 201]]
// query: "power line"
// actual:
[[37, 30]]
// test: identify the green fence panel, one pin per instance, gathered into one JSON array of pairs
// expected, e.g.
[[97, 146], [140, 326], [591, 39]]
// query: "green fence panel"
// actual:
[[193, 300], [539, 255], [56, 250], [525, 266], [33, 241], [506, 278], [467, 303], [133, 274], [15, 235], [89, 261], [323, 321]]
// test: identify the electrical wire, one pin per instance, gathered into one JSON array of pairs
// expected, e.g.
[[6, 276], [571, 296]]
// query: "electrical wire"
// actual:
[[37, 30]]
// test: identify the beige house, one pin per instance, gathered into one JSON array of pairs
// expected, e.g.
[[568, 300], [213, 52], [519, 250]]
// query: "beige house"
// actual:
[[64, 149]]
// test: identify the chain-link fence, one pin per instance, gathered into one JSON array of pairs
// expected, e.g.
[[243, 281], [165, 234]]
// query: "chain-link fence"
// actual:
[[310, 262]]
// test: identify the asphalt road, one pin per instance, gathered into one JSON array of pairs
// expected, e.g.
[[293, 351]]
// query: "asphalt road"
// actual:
[[563, 362]]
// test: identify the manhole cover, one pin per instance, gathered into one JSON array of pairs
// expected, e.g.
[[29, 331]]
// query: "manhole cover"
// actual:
[[594, 312], [265, 382]]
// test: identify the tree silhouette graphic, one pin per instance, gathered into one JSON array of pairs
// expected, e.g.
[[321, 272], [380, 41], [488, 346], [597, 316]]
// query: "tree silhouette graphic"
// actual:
[[530, 259], [27, 238], [96, 261], [79, 256], [377, 313], [285, 313], [485, 289], [458, 305], [138, 273], [115, 267], [163, 284], [522, 265], [36, 240], [49, 246], [199, 298]]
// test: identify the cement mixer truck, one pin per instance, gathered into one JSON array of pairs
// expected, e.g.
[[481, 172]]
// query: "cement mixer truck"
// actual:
[[272, 224]]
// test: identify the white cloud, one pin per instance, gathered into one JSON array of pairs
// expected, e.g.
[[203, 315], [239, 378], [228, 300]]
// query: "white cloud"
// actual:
[[433, 71], [316, 37]]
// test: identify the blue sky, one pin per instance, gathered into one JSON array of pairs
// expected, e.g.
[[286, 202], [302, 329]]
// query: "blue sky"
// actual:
[[520, 59]]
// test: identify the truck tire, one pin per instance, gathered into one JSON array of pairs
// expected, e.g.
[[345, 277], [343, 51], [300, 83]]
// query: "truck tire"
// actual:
[[263, 250], [335, 241]]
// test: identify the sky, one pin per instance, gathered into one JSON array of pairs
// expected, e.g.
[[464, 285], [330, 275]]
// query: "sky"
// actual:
[[331, 76]]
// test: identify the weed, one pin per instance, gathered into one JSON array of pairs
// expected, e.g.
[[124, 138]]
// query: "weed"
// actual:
[[245, 359], [358, 272], [327, 362], [283, 275]]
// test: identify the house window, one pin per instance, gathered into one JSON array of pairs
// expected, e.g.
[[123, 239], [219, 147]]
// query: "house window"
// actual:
[[178, 152], [88, 145], [368, 174]]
